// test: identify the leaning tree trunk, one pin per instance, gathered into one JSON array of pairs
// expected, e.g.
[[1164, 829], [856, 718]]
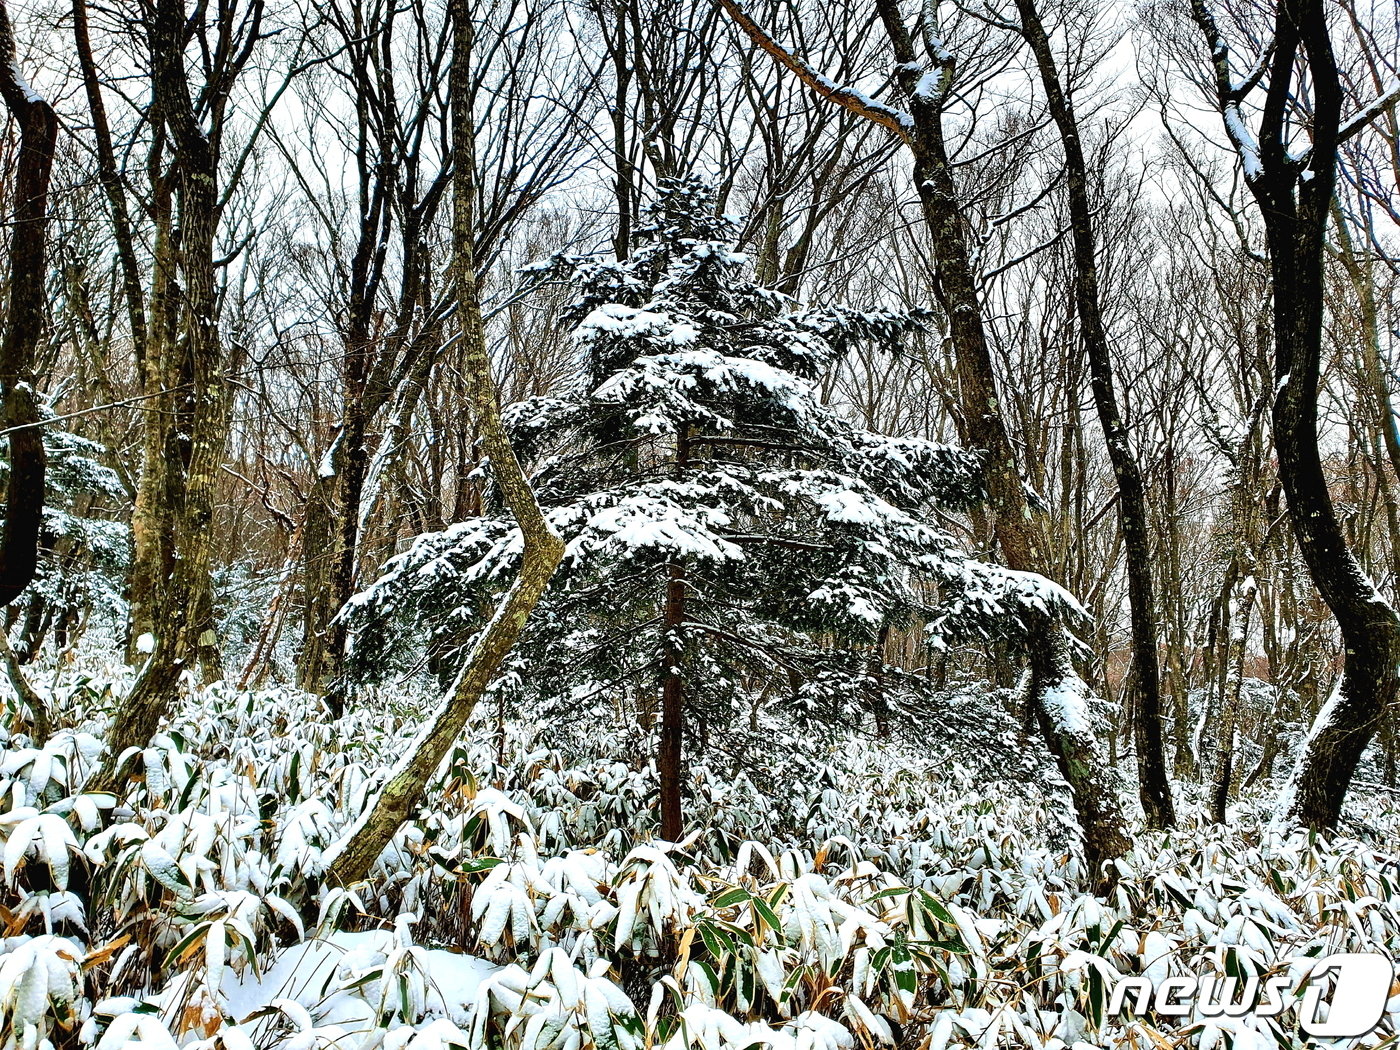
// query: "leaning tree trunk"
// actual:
[[1154, 787], [1072, 741], [351, 859], [1296, 223], [260, 654], [24, 322], [1061, 706], [1294, 195], [1369, 626]]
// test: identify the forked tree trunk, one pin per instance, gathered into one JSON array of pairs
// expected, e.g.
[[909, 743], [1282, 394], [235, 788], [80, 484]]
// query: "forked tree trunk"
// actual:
[[204, 403], [1154, 787], [1294, 196], [1296, 224], [352, 858], [24, 322]]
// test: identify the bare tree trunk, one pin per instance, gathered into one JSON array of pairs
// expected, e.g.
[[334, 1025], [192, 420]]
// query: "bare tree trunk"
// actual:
[[148, 536], [318, 560], [158, 490], [1154, 787], [373, 362], [1072, 743], [110, 177], [351, 859], [208, 653], [1232, 685], [332, 541], [1060, 699], [1177, 632], [24, 322], [260, 655], [668, 758], [612, 21], [1371, 632]]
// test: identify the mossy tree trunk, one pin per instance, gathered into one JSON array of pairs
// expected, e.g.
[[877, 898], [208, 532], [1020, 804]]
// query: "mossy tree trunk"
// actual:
[[202, 403], [351, 859]]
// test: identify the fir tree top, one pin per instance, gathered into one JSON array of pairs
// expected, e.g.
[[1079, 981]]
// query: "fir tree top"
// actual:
[[699, 444]]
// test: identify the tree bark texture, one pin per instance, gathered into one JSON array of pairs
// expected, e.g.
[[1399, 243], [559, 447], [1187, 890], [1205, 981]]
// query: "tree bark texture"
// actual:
[[24, 322], [1294, 194], [203, 403]]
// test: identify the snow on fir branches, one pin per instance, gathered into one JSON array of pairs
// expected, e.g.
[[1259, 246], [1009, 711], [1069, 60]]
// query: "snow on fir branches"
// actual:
[[732, 539]]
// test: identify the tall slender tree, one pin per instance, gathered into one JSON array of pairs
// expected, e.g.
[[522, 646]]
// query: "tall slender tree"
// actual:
[[195, 120], [351, 859], [1154, 787], [928, 85]]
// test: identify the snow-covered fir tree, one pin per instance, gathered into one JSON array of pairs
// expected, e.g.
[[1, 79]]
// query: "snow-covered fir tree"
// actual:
[[735, 546]]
